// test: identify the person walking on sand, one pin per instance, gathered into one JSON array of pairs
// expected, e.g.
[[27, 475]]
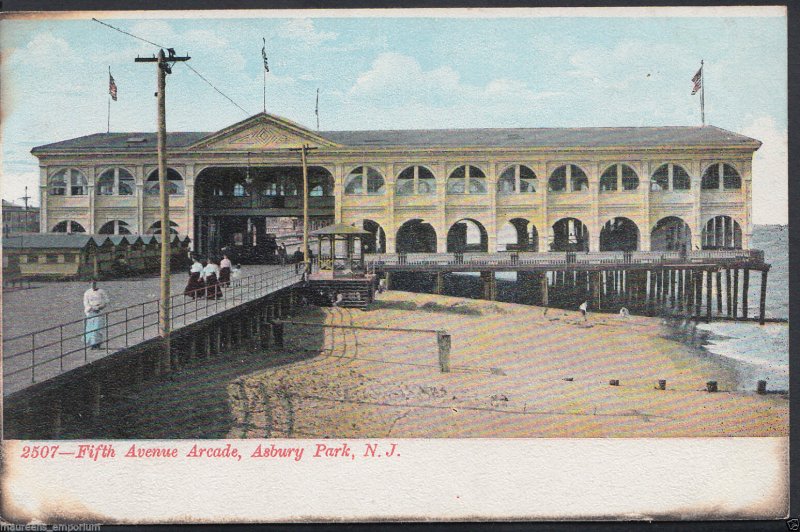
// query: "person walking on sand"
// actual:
[[584, 306], [195, 284], [95, 300], [211, 280], [225, 271]]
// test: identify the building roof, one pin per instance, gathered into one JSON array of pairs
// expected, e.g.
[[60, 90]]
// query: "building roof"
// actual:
[[553, 138], [339, 229], [53, 241], [10, 206]]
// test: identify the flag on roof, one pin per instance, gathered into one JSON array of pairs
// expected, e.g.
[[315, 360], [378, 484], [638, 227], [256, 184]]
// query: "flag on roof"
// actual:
[[698, 81], [264, 54], [112, 86]]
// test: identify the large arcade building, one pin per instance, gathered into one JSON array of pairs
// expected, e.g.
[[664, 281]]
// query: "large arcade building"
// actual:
[[576, 189]]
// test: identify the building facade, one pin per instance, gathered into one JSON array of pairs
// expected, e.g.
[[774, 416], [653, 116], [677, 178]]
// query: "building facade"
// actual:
[[19, 219], [588, 189]]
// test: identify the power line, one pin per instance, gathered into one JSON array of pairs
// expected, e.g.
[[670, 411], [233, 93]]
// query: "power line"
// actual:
[[216, 89], [187, 64]]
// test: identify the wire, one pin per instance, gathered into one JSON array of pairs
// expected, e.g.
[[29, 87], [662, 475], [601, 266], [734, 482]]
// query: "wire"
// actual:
[[129, 34], [185, 63], [216, 89]]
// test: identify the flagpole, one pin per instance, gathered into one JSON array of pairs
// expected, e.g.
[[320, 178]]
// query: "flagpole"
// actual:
[[108, 114], [702, 94], [265, 89], [316, 109], [264, 70]]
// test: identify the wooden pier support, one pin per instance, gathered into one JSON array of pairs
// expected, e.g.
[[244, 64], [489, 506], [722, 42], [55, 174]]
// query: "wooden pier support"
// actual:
[[735, 293], [388, 280], [439, 286], [728, 291], [277, 334], [709, 284], [745, 290], [489, 285], [762, 306], [719, 291]]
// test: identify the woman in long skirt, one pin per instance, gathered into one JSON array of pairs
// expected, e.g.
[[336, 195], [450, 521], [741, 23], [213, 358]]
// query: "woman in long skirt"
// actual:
[[213, 290], [225, 271], [195, 285], [95, 301]]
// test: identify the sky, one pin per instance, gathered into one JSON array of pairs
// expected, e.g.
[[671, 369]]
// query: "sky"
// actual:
[[441, 69]]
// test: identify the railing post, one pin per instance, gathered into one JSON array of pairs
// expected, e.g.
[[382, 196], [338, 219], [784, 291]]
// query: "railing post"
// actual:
[[443, 340]]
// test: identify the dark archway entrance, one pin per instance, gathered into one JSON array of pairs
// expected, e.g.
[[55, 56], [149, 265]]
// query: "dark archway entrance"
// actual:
[[526, 237], [570, 234], [247, 211], [619, 234], [376, 241], [671, 234], [722, 232], [467, 235], [416, 236]]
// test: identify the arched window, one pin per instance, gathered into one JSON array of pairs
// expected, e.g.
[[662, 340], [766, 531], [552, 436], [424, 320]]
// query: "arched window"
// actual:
[[68, 226], [670, 173], [517, 179], [115, 227], [730, 177], [320, 182], [415, 180], [70, 179], [115, 181], [618, 174], [239, 191], [355, 182], [568, 173], [174, 183], [155, 229], [466, 179]]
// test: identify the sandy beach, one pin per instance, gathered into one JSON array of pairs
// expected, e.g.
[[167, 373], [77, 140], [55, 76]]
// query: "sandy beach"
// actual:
[[510, 365]]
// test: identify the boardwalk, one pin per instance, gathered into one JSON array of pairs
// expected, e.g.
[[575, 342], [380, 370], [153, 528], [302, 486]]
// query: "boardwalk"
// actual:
[[54, 312]]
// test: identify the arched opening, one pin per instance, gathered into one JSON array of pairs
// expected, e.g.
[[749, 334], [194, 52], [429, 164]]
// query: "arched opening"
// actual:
[[619, 177], [155, 229], [115, 181], [415, 180], [467, 179], [115, 227], [376, 241], [670, 177], [467, 235], [721, 176], [69, 180], [569, 234], [722, 232], [671, 234], [174, 183], [570, 175], [619, 234], [518, 234], [416, 236], [517, 179], [68, 226], [364, 180]]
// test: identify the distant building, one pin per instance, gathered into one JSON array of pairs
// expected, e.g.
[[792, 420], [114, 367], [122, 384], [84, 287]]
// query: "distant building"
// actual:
[[18, 219], [535, 189]]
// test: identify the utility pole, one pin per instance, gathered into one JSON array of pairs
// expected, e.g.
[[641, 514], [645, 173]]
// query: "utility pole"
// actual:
[[304, 160], [26, 198], [163, 68]]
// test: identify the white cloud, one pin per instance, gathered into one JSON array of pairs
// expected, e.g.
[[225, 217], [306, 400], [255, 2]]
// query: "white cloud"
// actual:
[[302, 29], [770, 171]]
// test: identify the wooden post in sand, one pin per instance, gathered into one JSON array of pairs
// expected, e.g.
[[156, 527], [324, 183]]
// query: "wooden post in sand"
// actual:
[[545, 296], [763, 303], [444, 340], [719, 291], [439, 283]]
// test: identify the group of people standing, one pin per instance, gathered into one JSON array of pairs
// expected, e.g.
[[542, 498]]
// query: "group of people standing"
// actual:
[[207, 278]]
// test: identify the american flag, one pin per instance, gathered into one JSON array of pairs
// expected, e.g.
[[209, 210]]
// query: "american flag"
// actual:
[[698, 81], [264, 55], [112, 87]]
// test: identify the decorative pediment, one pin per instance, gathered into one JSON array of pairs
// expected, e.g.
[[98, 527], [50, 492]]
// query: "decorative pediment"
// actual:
[[262, 132]]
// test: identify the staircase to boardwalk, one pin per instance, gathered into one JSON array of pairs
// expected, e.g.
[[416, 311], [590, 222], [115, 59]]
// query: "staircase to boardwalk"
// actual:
[[356, 293]]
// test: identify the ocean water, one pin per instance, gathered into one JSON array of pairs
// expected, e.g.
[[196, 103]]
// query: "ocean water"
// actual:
[[760, 352]]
